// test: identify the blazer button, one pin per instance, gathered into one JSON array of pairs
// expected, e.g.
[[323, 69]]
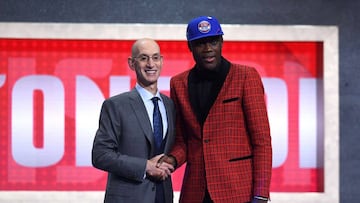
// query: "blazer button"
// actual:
[[206, 141]]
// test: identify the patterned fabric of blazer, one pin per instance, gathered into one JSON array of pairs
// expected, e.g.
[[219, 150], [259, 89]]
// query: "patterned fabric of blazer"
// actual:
[[233, 150], [124, 142]]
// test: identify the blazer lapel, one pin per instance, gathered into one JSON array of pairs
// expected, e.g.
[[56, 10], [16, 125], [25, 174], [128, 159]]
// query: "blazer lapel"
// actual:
[[170, 121], [141, 114]]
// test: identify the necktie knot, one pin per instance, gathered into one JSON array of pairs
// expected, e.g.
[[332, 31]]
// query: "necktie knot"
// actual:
[[155, 100]]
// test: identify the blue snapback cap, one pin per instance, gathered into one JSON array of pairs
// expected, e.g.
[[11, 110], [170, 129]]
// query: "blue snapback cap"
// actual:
[[203, 26]]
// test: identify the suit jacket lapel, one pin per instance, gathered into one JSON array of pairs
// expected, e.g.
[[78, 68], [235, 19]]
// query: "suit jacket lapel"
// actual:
[[170, 121], [142, 116]]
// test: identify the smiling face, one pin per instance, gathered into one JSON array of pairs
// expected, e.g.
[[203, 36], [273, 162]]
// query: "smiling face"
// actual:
[[207, 51], [147, 63]]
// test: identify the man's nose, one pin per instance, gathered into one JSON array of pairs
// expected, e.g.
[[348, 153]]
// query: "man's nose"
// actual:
[[150, 62]]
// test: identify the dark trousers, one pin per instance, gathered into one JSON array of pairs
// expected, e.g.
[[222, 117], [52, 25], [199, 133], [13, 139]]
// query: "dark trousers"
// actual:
[[160, 196], [207, 198]]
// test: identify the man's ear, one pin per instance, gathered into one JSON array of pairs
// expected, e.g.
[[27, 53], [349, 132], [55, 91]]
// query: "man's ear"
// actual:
[[221, 40], [131, 63]]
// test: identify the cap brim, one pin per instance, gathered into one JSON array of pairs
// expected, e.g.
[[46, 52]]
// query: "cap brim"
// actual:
[[203, 36]]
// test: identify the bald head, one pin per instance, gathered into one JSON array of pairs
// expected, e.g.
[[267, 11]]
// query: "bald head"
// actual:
[[144, 44]]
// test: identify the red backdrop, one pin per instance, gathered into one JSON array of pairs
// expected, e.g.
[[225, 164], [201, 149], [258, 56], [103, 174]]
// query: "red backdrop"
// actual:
[[51, 92]]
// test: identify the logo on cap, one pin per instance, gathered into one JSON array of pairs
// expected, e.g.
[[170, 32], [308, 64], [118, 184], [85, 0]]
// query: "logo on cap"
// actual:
[[204, 26]]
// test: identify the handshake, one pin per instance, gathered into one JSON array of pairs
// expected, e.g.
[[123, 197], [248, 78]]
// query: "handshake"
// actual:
[[160, 167]]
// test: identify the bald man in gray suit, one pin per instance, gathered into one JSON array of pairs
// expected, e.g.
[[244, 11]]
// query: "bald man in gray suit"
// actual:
[[124, 143]]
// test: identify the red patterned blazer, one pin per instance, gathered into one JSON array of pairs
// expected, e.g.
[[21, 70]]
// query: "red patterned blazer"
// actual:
[[233, 150]]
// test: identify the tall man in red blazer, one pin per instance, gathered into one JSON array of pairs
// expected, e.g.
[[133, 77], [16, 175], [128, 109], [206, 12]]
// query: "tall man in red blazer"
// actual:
[[222, 128]]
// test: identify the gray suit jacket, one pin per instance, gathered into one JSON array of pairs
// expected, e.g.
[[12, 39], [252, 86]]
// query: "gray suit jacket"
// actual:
[[124, 142]]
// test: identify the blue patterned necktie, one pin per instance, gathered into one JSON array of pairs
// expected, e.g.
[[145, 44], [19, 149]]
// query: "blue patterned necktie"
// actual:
[[157, 123]]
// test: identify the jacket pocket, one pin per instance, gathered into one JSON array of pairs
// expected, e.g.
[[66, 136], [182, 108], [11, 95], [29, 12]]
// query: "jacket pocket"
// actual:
[[231, 100], [241, 158]]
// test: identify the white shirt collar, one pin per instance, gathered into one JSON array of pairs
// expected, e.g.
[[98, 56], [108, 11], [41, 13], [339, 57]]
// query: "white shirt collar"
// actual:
[[145, 94]]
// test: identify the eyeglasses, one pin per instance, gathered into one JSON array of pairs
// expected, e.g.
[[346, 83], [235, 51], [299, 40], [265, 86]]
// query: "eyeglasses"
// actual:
[[145, 58]]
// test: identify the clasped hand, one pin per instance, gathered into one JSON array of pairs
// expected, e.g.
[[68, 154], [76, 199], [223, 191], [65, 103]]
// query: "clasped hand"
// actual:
[[158, 169]]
